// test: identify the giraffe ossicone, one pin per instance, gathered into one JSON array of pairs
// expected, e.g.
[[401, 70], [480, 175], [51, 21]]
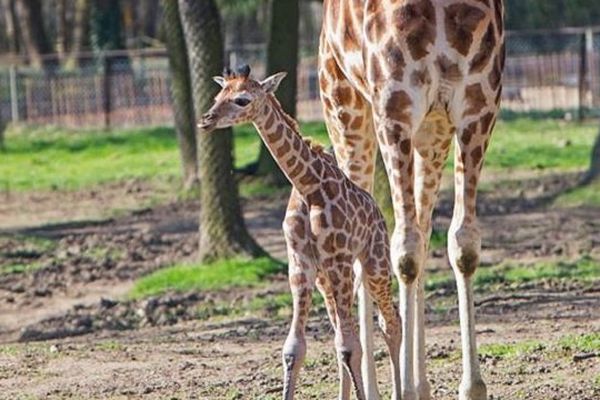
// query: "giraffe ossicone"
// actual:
[[330, 223]]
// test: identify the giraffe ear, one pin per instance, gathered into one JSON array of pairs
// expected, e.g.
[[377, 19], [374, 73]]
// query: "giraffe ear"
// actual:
[[271, 83], [220, 80]]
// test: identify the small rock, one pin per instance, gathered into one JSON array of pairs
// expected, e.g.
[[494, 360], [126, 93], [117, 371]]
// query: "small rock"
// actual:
[[108, 303], [42, 292], [54, 349], [17, 288]]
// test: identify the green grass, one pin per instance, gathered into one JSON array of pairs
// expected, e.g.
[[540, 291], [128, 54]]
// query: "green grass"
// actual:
[[588, 195], [582, 343], [219, 275], [526, 144], [566, 346], [19, 268], [505, 350], [52, 158], [584, 269]]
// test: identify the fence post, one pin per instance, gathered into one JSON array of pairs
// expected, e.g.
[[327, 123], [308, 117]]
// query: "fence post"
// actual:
[[106, 84], [14, 95], [591, 68], [586, 57]]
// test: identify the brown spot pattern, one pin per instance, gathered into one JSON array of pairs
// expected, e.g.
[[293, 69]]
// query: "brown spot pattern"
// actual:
[[449, 70], [486, 50], [417, 21], [475, 99], [461, 21], [397, 106]]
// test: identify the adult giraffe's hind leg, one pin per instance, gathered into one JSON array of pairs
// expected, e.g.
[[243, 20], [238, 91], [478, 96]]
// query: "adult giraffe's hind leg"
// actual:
[[464, 238], [349, 122], [378, 280]]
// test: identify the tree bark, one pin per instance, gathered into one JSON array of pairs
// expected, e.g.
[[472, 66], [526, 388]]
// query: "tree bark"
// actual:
[[32, 31], [183, 105], [80, 29], [282, 55], [149, 17], [223, 233], [106, 25], [10, 24], [61, 28]]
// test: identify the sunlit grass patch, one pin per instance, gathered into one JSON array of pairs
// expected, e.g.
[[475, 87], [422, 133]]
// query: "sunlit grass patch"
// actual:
[[219, 275], [19, 268], [47, 158], [257, 187], [109, 345], [585, 342], [506, 350], [588, 195], [540, 144], [584, 269]]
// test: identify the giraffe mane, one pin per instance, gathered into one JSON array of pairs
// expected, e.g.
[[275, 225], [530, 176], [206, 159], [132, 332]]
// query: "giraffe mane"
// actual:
[[315, 146]]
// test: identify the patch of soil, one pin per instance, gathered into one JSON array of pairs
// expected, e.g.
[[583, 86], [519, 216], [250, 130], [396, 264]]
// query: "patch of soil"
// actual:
[[77, 344]]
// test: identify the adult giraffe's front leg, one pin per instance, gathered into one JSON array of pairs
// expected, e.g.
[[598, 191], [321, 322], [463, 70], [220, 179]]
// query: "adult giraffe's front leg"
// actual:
[[464, 238], [432, 142], [349, 123], [397, 117]]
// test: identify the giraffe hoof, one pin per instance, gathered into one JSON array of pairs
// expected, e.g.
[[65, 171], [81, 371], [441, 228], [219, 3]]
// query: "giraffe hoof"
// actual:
[[475, 391]]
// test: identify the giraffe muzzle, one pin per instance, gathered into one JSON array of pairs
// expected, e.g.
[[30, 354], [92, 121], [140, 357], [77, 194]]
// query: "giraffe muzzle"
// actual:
[[207, 122]]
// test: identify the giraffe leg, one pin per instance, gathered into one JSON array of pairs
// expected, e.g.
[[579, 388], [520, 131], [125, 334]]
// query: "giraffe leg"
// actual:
[[397, 116], [301, 277], [377, 278], [349, 122], [432, 142], [464, 241], [347, 344], [327, 293]]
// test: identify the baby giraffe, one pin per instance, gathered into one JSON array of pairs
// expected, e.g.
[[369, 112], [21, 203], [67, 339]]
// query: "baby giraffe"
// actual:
[[329, 223]]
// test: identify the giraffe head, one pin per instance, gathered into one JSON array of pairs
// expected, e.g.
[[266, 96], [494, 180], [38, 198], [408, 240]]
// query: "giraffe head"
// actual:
[[240, 99]]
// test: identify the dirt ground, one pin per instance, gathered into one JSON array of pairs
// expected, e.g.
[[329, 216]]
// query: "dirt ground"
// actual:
[[66, 330]]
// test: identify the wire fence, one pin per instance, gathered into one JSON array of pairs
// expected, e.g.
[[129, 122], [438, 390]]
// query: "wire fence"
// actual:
[[546, 72]]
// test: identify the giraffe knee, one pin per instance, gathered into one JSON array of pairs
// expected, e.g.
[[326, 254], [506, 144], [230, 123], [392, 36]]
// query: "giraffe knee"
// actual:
[[407, 255], [464, 247], [408, 268], [294, 351]]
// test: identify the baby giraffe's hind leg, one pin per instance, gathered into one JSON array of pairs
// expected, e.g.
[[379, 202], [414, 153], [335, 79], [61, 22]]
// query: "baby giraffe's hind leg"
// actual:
[[349, 351], [301, 276], [324, 287], [377, 276]]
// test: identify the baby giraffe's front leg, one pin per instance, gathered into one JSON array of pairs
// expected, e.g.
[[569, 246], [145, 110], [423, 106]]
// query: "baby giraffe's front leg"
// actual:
[[301, 277]]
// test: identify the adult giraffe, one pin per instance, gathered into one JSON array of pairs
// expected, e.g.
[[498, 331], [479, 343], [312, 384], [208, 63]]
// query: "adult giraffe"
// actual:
[[411, 75]]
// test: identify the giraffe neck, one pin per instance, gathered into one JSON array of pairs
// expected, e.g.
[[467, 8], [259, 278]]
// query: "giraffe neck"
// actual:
[[301, 164]]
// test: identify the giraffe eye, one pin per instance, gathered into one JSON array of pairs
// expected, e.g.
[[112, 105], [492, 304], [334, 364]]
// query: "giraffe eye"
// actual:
[[241, 101]]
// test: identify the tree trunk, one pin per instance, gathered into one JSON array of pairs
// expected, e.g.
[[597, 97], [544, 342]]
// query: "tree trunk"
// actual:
[[282, 55], [149, 17], [10, 24], [61, 28], [223, 233], [80, 28], [593, 172], [183, 105], [32, 31], [106, 25]]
